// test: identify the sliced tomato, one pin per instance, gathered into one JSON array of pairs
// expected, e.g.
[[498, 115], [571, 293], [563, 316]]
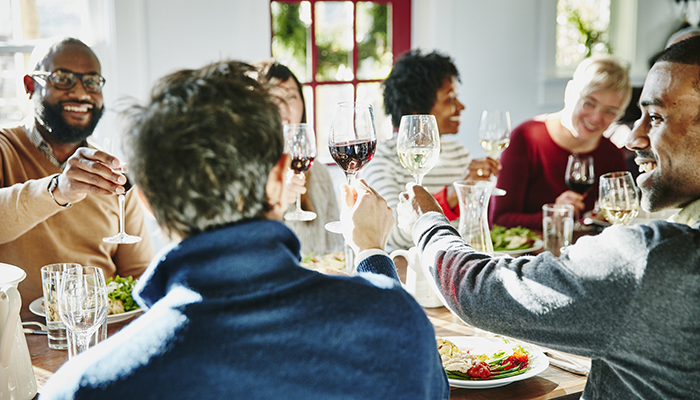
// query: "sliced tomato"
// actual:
[[479, 370]]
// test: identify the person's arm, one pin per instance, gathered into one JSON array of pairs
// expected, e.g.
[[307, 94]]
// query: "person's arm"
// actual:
[[23, 206]]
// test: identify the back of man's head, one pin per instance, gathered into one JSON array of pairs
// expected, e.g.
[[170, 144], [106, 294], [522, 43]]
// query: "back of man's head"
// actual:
[[203, 148], [684, 52]]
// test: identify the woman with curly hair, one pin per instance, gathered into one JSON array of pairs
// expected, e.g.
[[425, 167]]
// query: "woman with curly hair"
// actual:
[[425, 84]]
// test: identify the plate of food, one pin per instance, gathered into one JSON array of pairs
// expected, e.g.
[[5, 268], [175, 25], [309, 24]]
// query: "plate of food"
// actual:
[[473, 362], [324, 263], [121, 303], [514, 241]]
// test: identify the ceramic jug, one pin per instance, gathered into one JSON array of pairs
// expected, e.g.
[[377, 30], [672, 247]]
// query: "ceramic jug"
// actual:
[[17, 380], [473, 213], [416, 283]]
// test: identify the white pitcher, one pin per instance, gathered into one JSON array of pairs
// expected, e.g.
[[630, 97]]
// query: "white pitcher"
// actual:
[[416, 284], [17, 380]]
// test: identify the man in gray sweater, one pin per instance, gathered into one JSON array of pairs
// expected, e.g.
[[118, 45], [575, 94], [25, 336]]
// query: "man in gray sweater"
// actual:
[[628, 298]]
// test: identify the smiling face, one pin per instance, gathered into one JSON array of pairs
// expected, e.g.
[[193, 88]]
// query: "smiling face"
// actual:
[[447, 108], [68, 116], [666, 138], [593, 113], [288, 98]]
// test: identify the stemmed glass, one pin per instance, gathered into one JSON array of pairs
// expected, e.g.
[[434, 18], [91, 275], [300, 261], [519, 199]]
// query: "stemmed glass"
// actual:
[[300, 144], [122, 237], [82, 302], [494, 132], [418, 144], [352, 142], [619, 197], [580, 174]]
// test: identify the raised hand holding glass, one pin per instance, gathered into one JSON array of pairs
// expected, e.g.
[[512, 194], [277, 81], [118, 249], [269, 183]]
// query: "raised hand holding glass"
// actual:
[[300, 144]]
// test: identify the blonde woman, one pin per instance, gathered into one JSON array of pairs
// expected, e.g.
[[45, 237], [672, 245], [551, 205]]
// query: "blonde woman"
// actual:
[[534, 164]]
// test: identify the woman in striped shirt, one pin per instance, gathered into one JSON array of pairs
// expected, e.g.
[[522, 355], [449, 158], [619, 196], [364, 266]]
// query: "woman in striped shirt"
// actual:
[[424, 84]]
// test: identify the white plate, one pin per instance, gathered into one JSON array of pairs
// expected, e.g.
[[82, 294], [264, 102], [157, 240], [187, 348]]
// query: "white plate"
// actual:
[[538, 362], [535, 246], [38, 309]]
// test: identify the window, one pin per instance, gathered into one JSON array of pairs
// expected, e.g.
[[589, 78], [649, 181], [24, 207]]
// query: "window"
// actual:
[[340, 51], [22, 24], [582, 30]]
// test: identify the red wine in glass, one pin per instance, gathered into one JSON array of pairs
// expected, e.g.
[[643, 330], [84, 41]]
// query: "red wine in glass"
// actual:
[[300, 144], [580, 174], [301, 164], [580, 187], [352, 156]]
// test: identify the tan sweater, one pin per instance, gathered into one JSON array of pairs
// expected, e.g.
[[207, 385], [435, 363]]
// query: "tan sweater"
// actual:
[[35, 231]]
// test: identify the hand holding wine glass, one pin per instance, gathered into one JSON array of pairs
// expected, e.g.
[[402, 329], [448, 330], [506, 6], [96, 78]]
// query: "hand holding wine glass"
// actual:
[[619, 197], [82, 302], [121, 237], [494, 132], [352, 142], [418, 144], [300, 144]]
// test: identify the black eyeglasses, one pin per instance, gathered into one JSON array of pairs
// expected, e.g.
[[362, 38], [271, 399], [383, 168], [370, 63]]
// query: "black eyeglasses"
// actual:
[[65, 80]]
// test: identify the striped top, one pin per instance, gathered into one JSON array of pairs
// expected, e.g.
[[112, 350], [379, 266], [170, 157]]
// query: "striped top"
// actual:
[[386, 175]]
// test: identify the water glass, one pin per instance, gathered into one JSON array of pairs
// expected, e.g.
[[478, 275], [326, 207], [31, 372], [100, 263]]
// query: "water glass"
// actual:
[[50, 282], [557, 227]]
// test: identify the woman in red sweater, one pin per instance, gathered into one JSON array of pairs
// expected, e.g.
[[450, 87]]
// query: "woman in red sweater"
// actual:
[[534, 164]]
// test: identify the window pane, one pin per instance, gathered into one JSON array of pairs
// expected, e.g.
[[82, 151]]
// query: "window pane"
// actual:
[[327, 98], [373, 40], [334, 40], [372, 93], [5, 20], [291, 35], [13, 103], [63, 18], [582, 30]]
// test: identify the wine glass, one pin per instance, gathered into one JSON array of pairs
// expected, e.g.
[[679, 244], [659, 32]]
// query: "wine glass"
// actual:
[[618, 198], [494, 132], [418, 144], [580, 175], [352, 142], [122, 237], [300, 144], [82, 302]]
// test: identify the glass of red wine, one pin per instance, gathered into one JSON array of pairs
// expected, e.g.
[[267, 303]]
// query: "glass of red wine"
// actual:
[[300, 144], [121, 237], [580, 176], [352, 142]]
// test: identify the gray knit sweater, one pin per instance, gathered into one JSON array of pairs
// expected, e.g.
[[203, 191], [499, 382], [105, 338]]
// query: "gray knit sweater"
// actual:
[[628, 298]]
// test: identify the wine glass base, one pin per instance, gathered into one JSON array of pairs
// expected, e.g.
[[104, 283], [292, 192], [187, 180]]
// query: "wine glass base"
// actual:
[[122, 238], [300, 216], [334, 227]]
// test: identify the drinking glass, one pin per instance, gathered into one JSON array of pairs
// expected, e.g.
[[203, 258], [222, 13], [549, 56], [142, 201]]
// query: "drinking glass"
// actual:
[[121, 237], [82, 302], [580, 174], [494, 132], [618, 198], [352, 142], [418, 144], [300, 144], [50, 282]]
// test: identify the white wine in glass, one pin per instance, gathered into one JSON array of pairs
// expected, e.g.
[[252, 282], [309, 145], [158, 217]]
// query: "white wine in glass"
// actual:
[[351, 142], [494, 132], [618, 198], [300, 144], [418, 144]]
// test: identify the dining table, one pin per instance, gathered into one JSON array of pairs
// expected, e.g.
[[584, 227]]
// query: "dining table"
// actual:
[[552, 383]]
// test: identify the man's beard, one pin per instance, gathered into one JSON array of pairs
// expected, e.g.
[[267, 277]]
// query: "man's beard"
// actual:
[[58, 128]]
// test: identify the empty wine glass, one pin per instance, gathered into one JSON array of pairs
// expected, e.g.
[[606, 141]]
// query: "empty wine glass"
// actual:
[[618, 198], [121, 237], [494, 132], [82, 302], [352, 142], [580, 173], [300, 144], [418, 144]]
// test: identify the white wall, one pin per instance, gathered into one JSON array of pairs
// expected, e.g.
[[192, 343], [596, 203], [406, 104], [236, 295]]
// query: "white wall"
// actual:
[[501, 47]]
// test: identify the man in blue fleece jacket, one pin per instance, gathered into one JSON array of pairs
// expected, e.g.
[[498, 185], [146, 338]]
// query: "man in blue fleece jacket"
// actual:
[[231, 313]]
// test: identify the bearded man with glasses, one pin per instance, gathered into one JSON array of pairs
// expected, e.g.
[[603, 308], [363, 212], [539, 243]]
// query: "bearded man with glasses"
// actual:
[[56, 191]]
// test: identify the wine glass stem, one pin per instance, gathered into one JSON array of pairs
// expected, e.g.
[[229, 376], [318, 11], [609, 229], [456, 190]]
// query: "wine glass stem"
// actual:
[[350, 178], [419, 180], [121, 213], [299, 202]]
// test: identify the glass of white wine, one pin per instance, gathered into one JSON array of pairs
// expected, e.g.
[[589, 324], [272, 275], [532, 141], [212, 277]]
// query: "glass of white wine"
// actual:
[[494, 132], [418, 144], [618, 198]]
